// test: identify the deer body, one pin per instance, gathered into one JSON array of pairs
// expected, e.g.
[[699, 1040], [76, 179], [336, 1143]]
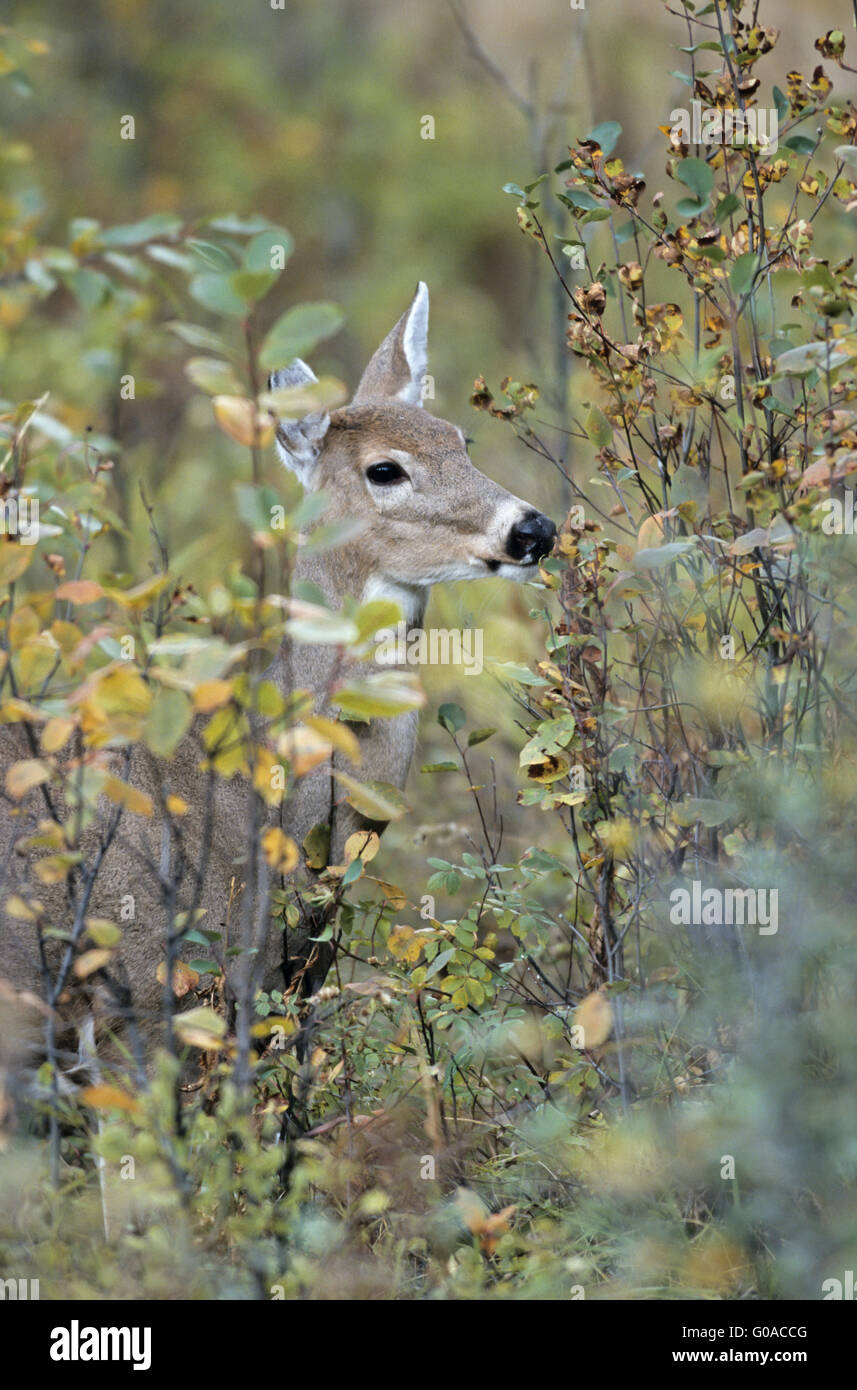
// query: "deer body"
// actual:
[[430, 517]]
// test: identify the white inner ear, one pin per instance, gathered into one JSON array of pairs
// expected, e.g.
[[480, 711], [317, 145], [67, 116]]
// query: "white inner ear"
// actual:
[[415, 345], [299, 441]]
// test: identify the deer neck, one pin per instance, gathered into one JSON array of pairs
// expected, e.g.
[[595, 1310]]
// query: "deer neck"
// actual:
[[339, 574], [344, 572]]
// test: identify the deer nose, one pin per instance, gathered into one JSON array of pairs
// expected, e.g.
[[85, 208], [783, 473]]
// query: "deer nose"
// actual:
[[531, 537]]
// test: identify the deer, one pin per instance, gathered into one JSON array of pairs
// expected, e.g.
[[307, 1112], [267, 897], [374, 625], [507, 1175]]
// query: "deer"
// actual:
[[429, 517]]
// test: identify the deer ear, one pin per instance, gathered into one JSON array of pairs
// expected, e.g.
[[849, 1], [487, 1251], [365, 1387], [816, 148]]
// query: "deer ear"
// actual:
[[399, 365], [299, 441]]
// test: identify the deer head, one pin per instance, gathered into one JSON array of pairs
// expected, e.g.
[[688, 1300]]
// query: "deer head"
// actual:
[[430, 515]]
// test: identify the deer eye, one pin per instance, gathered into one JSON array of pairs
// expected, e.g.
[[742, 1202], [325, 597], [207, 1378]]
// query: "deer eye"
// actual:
[[386, 473]]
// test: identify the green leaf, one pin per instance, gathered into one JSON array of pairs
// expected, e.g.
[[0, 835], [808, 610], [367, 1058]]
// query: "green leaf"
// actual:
[[268, 249], [726, 207], [169, 255], [801, 144], [329, 629], [579, 198], [440, 961], [214, 256], [167, 722], [353, 872], [255, 504], [741, 276], [252, 284], [197, 337], [606, 134], [215, 292], [378, 613], [213, 376], [316, 845], [160, 224], [697, 176], [658, 557], [439, 767], [294, 402], [479, 736], [89, 287], [511, 671], [379, 696], [298, 331], [598, 427], [239, 226], [378, 801], [811, 357], [451, 717]]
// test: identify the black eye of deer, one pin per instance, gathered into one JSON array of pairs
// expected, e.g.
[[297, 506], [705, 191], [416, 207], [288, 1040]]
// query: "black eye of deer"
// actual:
[[385, 473]]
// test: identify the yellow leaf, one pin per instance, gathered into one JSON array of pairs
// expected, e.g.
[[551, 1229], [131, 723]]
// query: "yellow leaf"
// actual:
[[184, 977], [103, 932], [177, 806], [22, 777], [21, 911], [374, 800], [55, 868], [139, 598], [113, 701], [56, 734], [268, 777], [19, 711], [363, 844], [122, 690], [343, 739], [91, 961], [105, 1097], [547, 767], [394, 895], [281, 852], [239, 418], [200, 1028], [210, 695], [404, 944], [131, 798], [594, 1017], [14, 560], [304, 748]]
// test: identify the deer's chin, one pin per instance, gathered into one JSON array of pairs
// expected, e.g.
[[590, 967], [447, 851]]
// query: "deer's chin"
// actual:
[[518, 572]]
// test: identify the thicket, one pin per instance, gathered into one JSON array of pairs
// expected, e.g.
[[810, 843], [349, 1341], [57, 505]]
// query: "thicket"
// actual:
[[564, 1085]]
